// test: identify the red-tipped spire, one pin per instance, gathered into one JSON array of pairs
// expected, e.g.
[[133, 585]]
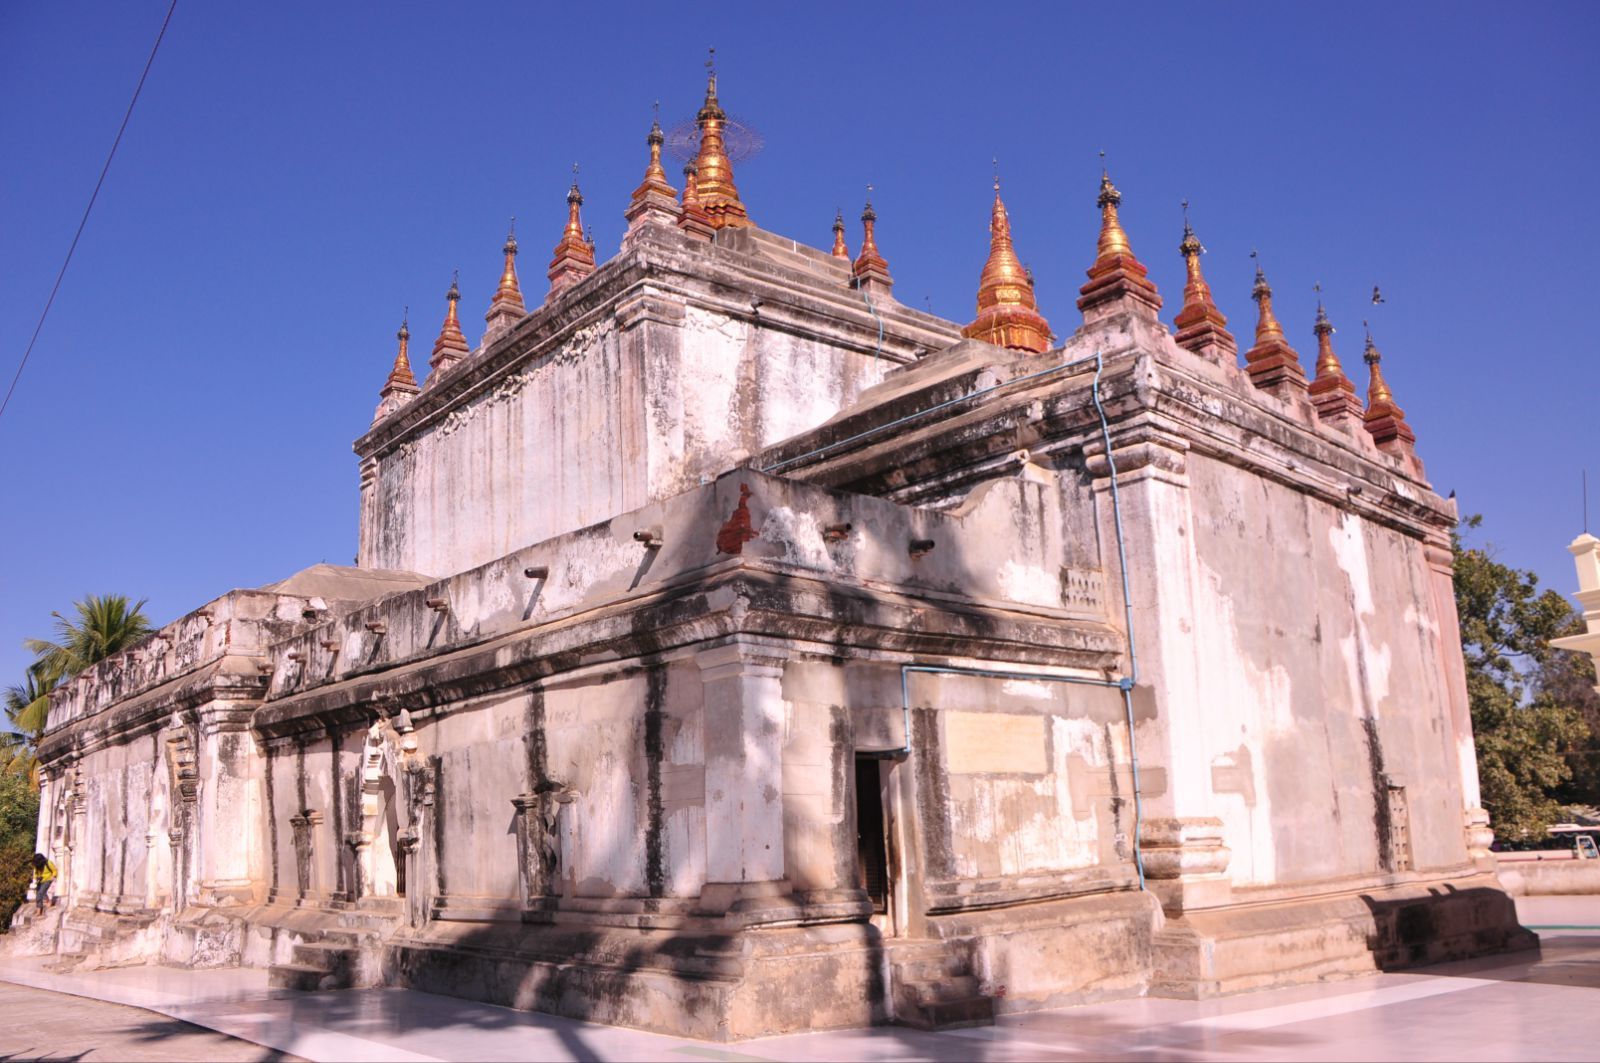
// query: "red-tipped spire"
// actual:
[[1008, 314], [870, 271], [692, 219], [451, 346], [402, 383], [510, 291], [839, 248], [1201, 326], [506, 308], [573, 258], [1332, 392], [1117, 281], [654, 202], [1273, 365], [1384, 418]]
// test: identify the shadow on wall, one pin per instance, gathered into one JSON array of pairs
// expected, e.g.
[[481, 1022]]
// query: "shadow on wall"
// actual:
[[1444, 923]]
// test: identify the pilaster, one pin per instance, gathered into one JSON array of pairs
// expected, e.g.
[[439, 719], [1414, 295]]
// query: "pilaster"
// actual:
[[744, 720]]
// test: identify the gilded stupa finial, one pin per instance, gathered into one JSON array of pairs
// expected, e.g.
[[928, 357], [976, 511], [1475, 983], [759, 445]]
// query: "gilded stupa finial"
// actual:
[[1201, 326], [714, 186], [509, 293], [402, 382], [839, 248], [573, 258], [1266, 321], [1117, 280], [870, 270], [655, 176], [451, 346], [693, 219], [1332, 392], [1273, 365], [1384, 418], [1008, 315]]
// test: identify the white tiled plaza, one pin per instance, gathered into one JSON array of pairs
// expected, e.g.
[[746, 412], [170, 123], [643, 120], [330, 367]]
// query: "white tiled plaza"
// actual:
[[1529, 1006]]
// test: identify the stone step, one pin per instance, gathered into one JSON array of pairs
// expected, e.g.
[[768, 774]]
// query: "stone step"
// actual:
[[958, 987], [930, 968], [65, 962], [334, 958], [946, 1014], [303, 977]]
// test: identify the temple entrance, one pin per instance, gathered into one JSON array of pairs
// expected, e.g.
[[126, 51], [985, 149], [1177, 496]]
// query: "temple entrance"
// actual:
[[872, 852]]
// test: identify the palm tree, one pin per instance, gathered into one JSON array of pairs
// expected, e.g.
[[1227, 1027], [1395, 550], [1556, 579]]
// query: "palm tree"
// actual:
[[106, 624], [26, 706]]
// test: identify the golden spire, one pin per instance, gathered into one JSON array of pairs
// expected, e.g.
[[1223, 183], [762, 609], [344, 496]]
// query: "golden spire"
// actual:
[[1113, 241], [573, 258], [655, 178], [451, 346], [1332, 392], [870, 270], [839, 249], [1272, 364], [509, 294], [400, 377], [1117, 280], [1008, 314], [654, 202], [1201, 326], [693, 219], [1384, 418], [718, 196]]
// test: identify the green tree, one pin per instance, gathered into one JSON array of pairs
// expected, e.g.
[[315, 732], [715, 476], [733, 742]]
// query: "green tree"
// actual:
[[105, 624], [19, 812], [26, 706], [1519, 689]]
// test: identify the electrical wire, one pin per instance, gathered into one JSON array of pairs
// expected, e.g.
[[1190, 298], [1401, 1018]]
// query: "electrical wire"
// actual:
[[48, 303]]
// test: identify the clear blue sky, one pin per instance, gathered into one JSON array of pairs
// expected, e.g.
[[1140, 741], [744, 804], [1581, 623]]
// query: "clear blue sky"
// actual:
[[296, 173]]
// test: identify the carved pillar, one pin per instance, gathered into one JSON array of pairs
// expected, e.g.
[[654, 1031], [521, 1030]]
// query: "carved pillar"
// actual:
[[418, 856], [538, 827], [743, 705], [41, 837], [360, 844], [229, 805], [374, 860], [304, 827]]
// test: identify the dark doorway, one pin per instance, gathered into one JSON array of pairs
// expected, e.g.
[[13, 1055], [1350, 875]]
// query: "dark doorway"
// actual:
[[872, 859]]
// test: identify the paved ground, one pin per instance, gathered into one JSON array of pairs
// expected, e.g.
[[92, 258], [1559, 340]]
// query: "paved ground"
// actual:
[[1543, 1006], [41, 1025]]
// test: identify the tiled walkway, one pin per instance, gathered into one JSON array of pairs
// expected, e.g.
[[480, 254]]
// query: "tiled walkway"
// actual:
[[1542, 1006]]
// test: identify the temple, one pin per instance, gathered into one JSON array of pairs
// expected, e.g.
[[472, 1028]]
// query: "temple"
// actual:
[[734, 649]]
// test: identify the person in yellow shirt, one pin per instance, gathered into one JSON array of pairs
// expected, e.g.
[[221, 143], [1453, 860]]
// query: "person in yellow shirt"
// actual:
[[44, 876]]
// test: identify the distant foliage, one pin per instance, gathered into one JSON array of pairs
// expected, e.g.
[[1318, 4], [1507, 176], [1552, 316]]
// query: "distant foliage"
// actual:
[[1528, 701], [19, 813]]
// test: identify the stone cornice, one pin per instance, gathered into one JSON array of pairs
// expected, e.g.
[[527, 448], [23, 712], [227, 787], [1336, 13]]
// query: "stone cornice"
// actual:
[[237, 681], [779, 608], [665, 265], [1145, 389]]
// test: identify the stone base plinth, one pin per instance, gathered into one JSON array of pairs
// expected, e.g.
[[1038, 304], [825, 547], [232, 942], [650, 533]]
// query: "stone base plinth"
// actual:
[[1255, 946], [727, 985]]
